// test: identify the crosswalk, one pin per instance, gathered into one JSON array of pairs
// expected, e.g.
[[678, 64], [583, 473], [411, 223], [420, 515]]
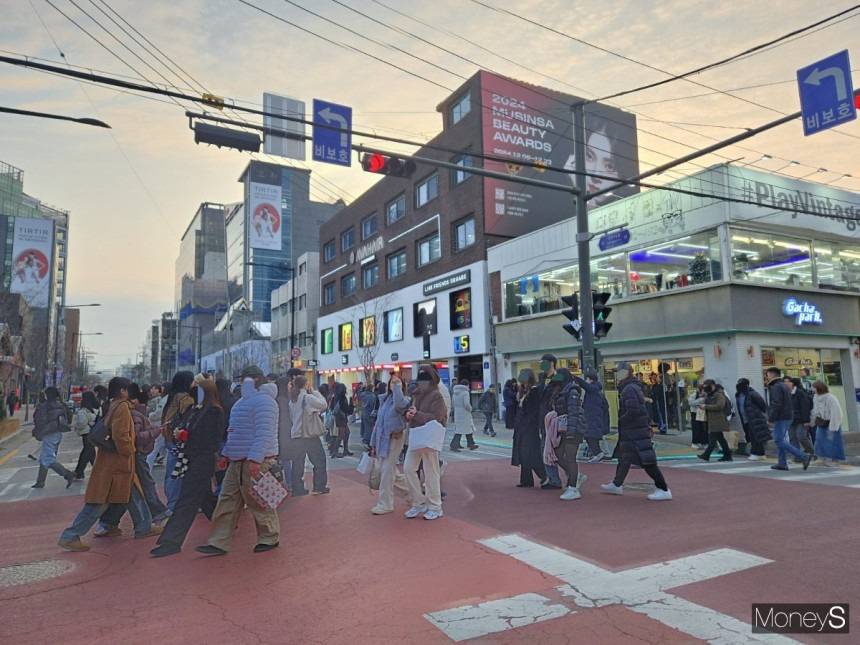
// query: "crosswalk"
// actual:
[[844, 476]]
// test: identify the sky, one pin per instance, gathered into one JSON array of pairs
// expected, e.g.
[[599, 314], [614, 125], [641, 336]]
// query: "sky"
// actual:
[[133, 190]]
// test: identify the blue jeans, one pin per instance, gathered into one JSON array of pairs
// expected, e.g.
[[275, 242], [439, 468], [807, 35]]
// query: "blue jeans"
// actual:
[[50, 447], [158, 449], [551, 471], [366, 429], [90, 514], [783, 446], [172, 487]]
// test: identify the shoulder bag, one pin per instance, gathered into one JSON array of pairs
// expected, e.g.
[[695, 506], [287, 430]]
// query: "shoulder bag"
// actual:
[[100, 437]]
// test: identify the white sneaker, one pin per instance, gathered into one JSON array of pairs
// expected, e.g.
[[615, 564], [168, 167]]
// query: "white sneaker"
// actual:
[[415, 511], [580, 480], [433, 515], [379, 510], [570, 493], [660, 495], [754, 458], [612, 489], [596, 459]]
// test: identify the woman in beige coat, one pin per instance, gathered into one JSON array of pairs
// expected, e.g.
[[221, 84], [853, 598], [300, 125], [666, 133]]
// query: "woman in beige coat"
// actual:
[[113, 480]]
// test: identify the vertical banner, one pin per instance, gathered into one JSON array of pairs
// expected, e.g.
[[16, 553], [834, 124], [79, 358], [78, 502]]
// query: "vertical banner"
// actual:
[[264, 217], [31, 260]]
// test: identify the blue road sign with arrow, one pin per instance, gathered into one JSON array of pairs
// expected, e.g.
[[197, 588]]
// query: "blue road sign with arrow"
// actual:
[[826, 93], [332, 145]]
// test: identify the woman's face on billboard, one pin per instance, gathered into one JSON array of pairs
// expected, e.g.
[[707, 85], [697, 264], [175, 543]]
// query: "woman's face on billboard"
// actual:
[[599, 160]]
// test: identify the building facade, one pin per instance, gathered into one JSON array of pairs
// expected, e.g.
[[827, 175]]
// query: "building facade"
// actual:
[[703, 288], [295, 309], [168, 339]]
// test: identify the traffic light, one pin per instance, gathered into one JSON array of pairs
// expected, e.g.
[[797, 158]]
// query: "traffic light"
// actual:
[[574, 327], [226, 137], [382, 165], [601, 313]]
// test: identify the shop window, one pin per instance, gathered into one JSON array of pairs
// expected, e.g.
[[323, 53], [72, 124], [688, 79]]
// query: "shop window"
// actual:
[[541, 292], [424, 318], [770, 259], [694, 259], [460, 306], [460, 109], [395, 209], [427, 190], [393, 331], [609, 273], [429, 250], [464, 234], [837, 266]]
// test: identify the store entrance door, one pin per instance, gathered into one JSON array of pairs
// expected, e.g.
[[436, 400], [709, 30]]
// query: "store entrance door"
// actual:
[[667, 382]]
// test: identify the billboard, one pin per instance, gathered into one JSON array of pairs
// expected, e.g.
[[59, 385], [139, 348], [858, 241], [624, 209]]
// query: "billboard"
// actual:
[[527, 123], [264, 217], [31, 260]]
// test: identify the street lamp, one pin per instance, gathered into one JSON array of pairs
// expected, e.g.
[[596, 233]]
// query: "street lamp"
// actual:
[[57, 334]]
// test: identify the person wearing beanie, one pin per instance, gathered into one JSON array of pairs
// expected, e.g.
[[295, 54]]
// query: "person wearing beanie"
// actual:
[[634, 437]]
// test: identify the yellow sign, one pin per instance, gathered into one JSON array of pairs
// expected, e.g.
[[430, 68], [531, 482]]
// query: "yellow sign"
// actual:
[[345, 337], [368, 331]]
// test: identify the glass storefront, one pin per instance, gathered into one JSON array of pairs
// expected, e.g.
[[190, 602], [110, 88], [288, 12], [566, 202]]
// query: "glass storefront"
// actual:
[[809, 365], [673, 265]]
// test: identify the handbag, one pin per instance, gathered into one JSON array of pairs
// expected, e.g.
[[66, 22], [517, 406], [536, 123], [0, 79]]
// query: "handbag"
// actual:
[[364, 464], [821, 423], [374, 479], [267, 491], [100, 437], [316, 427], [328, 421]]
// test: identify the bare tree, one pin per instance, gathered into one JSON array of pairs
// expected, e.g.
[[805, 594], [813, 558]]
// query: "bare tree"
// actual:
[[367, 336]]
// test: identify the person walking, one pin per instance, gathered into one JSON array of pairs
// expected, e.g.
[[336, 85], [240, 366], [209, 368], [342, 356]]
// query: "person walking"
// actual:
[[780, 414], [526, 451], [113, 479], [201, 441], [634, 438], [387, 441], [342, 410], [286, 447], [699, 419], [570, 416], [715, 407], [487, 404], [251, 449], [176, 406], [801, 405], [306, 406], [429, 413], [549, 388], [50, 421], [156, 410], [827, 417], [752, 411], [596, 409], [369, 402], [85, 419], [12, 402], [509, 401], [463, 424]]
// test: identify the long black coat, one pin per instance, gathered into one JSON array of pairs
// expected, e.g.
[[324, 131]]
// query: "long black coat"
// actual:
[[755, 416], [526, 445], [595, 407], [634, 424]]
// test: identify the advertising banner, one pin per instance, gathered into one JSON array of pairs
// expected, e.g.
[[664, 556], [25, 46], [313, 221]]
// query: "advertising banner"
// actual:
[[264, 217], [31, 260], [368, 332], [535, 125]]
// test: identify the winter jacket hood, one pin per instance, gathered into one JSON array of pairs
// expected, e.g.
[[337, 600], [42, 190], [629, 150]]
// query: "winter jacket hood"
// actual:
[[430, 406]]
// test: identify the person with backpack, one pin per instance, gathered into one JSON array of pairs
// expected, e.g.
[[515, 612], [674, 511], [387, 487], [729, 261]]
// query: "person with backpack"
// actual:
[[715, 410], [342, 409], [801, 404], [85, 419], [50, 421]]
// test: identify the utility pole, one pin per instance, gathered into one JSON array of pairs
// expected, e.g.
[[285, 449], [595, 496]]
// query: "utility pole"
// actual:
[[583, 238]]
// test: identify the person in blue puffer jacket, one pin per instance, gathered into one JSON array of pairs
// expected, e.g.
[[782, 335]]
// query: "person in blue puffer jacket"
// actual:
[[251, 450]]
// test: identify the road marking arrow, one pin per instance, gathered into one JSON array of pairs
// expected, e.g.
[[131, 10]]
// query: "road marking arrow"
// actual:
[[838, 77], [329, 116]]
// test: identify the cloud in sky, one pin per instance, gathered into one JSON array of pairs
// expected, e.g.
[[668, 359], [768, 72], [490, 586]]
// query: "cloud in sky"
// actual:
[[132, 191]]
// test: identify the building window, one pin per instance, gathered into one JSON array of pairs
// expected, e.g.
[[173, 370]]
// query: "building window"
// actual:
[[329, 251], [429, 250], [427, 190], [347, 239], [396, 264], [328, 294], [771, 259], [464, 234], [609, 273], [370, 275], [459, 175], [460, 109], [303, 302], [327, 341], [368, 227], [541, 292], [393, 331], [396, 209], [837, 265], [347, 285], [694, 259], [302, 268], [424, 318]]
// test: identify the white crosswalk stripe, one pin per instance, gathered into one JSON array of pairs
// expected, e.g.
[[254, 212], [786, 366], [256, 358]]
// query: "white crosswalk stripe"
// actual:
[[844, 476]]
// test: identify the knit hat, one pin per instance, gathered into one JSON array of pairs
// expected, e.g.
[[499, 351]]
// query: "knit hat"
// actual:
[[252, 371]]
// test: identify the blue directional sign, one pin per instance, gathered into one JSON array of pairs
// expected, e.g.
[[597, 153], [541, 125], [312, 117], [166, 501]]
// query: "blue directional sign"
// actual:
[[332, 146], [613, 239], [826, 93]]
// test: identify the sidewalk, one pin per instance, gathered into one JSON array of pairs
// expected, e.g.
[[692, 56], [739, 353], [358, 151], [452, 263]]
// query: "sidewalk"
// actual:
[[9, 430]]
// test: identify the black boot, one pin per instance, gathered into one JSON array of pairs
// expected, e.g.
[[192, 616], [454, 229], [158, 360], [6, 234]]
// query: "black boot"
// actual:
[[455, 443], [470, 442], [41, 477], [63, 472]]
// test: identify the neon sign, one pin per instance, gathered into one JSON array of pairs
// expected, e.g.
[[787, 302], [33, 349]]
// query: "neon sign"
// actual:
[[804, 313]]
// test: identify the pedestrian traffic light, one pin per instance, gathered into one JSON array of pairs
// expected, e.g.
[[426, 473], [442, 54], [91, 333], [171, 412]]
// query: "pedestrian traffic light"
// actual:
[[382, 165], [601, 313], [574, 327]]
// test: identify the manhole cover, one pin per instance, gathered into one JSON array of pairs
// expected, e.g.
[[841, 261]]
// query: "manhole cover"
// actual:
[[21, 574]]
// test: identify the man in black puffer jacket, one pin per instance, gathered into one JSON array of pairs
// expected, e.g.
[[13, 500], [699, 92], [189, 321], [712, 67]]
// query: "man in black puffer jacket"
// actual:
[[569, 404], [634, 437]]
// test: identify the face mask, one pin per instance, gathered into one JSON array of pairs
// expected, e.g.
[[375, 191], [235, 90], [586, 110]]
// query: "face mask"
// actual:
[[545, 366], [623, 374], [200, 395]]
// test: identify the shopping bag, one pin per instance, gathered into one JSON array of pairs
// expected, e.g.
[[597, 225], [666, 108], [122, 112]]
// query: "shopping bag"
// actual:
[[430, 435], [268, 492], [375, 476], [364, 464]]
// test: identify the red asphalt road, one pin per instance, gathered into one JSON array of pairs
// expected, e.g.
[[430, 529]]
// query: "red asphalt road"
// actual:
[[345, 576]]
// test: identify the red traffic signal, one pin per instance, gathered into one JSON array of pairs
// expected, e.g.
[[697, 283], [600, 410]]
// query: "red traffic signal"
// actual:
[[383, 165]]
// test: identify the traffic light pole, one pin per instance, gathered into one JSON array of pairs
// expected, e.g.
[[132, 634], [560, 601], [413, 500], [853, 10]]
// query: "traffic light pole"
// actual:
[[583, 239]]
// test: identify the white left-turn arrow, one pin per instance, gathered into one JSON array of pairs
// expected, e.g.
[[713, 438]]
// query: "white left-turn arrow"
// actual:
[[329, 116], [838, 75]]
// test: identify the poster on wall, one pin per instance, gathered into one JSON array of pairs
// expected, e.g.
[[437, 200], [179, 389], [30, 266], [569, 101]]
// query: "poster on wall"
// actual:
[[345, 337], [327, 340], [532, 124], [264, 217], [367, 329], [394, 325], [31, 260], [461, 309]]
